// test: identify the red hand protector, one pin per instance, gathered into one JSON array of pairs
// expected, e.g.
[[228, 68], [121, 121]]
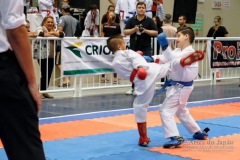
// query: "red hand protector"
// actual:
[[157, 60], [140, 52]]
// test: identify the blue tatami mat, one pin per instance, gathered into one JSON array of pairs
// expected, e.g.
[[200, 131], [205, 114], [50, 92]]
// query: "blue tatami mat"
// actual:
[[98, 145], [140, 155], [110, 145], [125, 142]]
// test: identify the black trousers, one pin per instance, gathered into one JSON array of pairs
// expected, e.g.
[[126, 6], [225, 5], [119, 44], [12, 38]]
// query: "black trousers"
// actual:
[[46, 72], [19, 130]]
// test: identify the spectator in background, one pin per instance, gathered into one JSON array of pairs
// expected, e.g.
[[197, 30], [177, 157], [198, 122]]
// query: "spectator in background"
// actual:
[[30, 34], [154, 8], [111, 28], [46, 7], [67, 3], [158, 23], [141, 29], [64, 2], [45, 59], [169, 30], [67, 24], [159, 9], [121, 10], [105, 17], [19, 94], [217, 30], [149, 4], [132, 7], [26, 4], [91, 21], [182, 21]]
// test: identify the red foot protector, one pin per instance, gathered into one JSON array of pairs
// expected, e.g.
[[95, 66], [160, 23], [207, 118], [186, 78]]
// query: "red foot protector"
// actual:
[[143, 141], [133, 74], [194, 57]]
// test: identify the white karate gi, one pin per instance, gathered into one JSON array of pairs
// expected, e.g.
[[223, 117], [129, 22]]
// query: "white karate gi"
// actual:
[[176, 97], [44, 6], [132, 8], [91, 20], [122, 10], [125, 61]]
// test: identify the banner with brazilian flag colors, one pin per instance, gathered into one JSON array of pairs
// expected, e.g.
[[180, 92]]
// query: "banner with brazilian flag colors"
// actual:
[[85, 56]]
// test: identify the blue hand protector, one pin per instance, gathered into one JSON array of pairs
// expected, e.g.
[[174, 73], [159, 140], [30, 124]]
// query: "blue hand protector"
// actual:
[[148, 58], [162, 40]]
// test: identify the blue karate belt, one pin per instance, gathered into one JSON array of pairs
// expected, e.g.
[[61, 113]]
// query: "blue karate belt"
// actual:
[[170, 82], [132, 13]]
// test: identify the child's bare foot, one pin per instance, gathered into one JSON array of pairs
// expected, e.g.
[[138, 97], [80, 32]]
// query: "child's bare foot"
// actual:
[[194, 57]]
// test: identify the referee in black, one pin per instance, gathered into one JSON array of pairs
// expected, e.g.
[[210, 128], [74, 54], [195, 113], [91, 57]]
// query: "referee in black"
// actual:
[[19, 96]]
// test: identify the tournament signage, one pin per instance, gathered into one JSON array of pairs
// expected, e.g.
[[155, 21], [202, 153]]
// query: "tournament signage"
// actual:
[[85, 56], [225, 53]]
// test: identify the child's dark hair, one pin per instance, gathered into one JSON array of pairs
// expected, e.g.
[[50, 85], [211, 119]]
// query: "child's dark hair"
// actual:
[[113, 41], [189, 31], [93, 6]]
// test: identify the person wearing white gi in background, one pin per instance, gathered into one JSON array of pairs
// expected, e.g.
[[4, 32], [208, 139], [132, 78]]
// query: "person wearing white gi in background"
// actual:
[[121, 10], [46, 8], [132, 66], [91, 21], [132, 7]]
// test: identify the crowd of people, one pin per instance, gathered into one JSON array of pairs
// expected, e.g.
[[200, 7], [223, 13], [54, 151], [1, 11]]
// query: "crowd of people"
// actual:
[[140, 20], [112, 23]]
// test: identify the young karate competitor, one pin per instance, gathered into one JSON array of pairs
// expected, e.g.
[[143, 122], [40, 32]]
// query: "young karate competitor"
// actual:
[[180, 86], [131, 65]]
